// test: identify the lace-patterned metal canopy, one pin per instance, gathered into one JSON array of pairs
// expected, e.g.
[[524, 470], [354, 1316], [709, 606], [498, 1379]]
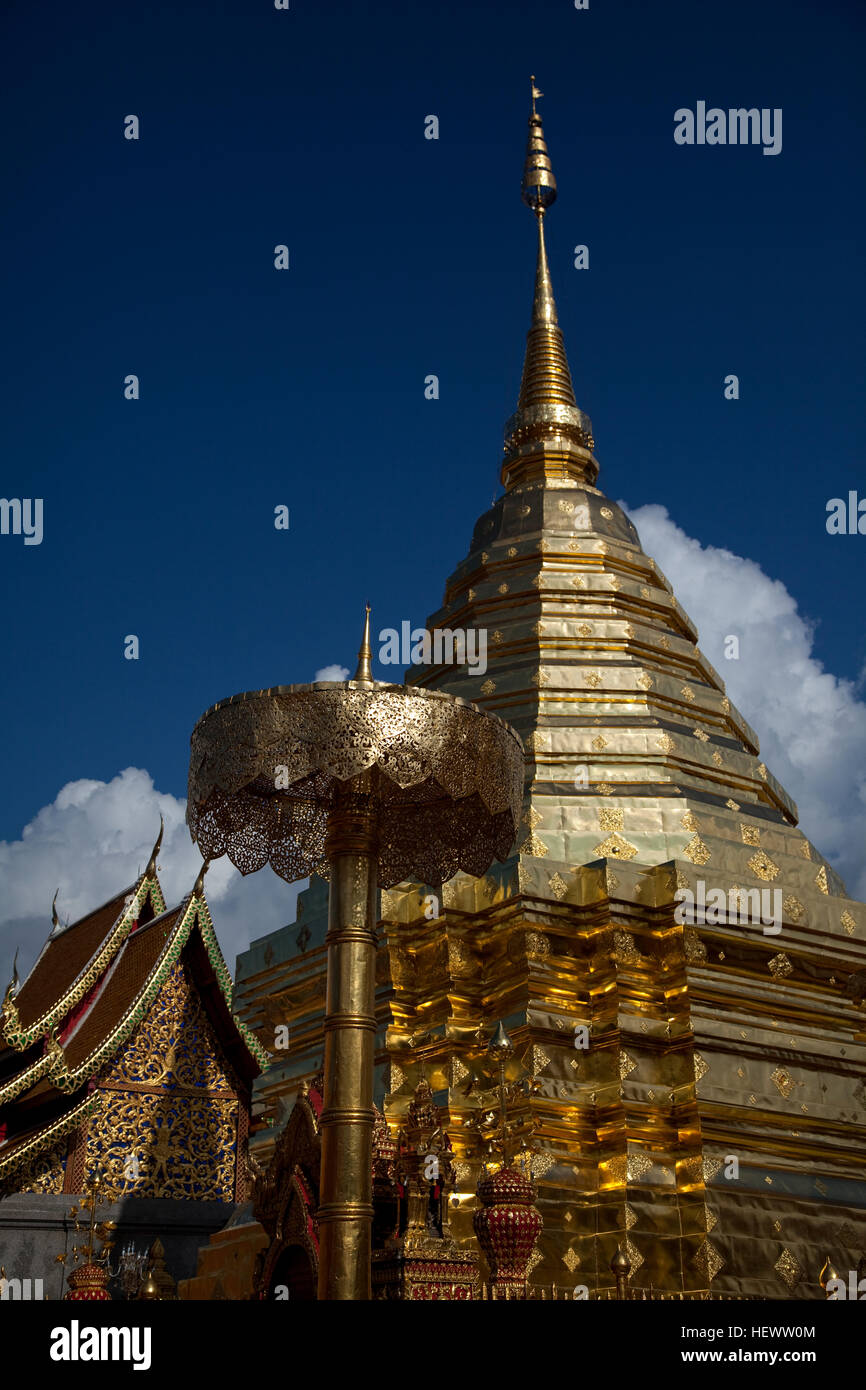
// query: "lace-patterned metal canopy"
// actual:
[[265, 766], [366, 784]]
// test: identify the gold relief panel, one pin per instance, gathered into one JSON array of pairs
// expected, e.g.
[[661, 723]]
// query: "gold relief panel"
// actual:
[[174, 1045], [155, 1144], [45, 1173]]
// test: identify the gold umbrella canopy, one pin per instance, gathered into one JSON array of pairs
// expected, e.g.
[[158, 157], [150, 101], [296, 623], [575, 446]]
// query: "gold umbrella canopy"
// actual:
[[265, 765]]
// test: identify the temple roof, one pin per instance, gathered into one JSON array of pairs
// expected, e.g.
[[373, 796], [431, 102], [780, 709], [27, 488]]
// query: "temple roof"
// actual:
[[91, 986]]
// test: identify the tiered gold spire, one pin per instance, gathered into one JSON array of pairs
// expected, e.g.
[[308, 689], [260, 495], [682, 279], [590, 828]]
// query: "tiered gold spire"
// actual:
[[548, 437]]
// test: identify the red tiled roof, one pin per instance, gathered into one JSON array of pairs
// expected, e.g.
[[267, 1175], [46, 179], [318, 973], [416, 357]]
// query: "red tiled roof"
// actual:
[[121, 985], [63, 960]]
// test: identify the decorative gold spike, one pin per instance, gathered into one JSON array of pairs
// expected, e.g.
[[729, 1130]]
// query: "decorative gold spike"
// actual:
[[151, 863], [198, 886], [365, 654]]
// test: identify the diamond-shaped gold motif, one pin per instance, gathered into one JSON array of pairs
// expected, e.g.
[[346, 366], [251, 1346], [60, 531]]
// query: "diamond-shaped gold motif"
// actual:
[[701, 734], [532, 818], [540, 678], [592, 678], [604, 787], [615, 847], [629, 631], [645, 681], [701, 1067], [606, 513], [717, 759], [665, 642], [639, 1164], [780, 966], [711, 1165], [558, 886], [732, 805], [688, 821], [848, 922], [512, 551], [497, 638], [625, 949], [540, 1059], [571, 1260], [793, 908], [488, 687], [537, 945], [696, 851], [615, 584], [459, 1072], [532, 845], [687, 693], [470, 594], [630, 1217], [535, 743], [397, 1078], [565, 506], [790, 1269], [782, 1081], [644, 593], [599, 742], [821, 879], [805, 849], [634, 1256], [763, 867], [708, 1260], [762, 771], [584, 629], [610, 818], [627, 1065], [740, 1073], [665, 743], [503, 588], [751, 834]]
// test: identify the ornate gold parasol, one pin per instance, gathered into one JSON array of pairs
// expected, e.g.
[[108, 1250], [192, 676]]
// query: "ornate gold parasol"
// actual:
[[366, 784]]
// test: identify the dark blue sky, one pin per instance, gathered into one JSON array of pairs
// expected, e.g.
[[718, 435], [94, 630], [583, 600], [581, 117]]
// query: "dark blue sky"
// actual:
[[408, 257]]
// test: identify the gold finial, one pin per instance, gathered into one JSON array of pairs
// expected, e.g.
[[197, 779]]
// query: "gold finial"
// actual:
[[539, 185], [198, 886], [548, 438], [500, 1044], [151, 863], [534, 91], [365, 654]]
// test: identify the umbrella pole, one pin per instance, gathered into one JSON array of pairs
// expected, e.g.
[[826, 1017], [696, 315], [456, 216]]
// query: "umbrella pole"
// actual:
[[346, 1185]]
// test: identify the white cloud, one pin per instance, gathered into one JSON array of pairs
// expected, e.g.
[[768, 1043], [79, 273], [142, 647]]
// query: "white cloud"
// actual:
[[811, 724], [332, 673], [94, 840]]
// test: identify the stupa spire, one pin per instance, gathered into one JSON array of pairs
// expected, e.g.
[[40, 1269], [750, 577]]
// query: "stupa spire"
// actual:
[[365, 652], [548, 437]]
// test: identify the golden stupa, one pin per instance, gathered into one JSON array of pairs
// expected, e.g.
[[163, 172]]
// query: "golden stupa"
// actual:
[[697, 1064]]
